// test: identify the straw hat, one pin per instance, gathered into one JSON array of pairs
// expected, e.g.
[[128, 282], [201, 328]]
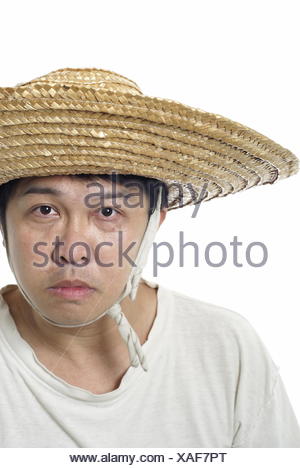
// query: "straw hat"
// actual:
[[88, 120]]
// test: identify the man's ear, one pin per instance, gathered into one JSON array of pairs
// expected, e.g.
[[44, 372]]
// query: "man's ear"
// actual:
[[163, 214], [2, 234]]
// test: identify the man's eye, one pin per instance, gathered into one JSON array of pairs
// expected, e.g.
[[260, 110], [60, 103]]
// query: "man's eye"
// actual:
[[44, 209], [107, 212]]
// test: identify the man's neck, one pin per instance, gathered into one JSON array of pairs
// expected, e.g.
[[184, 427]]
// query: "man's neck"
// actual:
[[94, 355]]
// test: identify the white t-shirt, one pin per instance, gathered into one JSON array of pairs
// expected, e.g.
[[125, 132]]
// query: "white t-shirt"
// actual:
[[210, 383]]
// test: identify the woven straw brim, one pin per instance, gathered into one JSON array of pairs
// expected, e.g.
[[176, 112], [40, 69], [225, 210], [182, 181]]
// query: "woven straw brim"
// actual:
[[54, 129]]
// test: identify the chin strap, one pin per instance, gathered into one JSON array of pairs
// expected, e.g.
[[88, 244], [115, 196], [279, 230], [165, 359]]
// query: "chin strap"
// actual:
[[115, 312], [129, 336], [127, 332]]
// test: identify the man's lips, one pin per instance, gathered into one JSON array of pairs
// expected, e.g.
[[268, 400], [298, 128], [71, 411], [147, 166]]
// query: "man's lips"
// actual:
[[75, 289], [71, 284]]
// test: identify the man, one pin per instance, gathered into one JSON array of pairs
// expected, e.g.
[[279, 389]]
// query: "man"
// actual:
[[91, 354]]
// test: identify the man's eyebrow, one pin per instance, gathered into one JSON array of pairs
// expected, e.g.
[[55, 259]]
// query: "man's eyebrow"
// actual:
[[52, 191], [42, 190]]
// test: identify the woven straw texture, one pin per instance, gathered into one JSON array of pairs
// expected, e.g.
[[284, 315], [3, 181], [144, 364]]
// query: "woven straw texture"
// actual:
[[94, 121]]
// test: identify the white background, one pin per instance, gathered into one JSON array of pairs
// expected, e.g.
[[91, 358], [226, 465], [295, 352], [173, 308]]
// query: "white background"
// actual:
[[239, 59]]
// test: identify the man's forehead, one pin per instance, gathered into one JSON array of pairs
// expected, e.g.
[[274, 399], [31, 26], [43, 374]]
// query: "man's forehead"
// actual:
[[58, 180]]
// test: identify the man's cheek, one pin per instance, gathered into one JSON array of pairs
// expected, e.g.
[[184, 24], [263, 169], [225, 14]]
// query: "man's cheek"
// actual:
[[117, 256]]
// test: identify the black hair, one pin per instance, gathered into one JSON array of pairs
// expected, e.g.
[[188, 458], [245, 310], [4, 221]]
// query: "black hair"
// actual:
[[149, 185]]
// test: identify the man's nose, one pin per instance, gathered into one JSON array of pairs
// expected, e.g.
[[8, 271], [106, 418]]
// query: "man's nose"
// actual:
[[72, 244]]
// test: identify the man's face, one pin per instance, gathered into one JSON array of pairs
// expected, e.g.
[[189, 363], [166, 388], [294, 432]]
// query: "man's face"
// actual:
[[36, 222]]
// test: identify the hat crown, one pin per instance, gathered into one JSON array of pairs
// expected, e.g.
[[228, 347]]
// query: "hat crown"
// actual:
[[88, 77]]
